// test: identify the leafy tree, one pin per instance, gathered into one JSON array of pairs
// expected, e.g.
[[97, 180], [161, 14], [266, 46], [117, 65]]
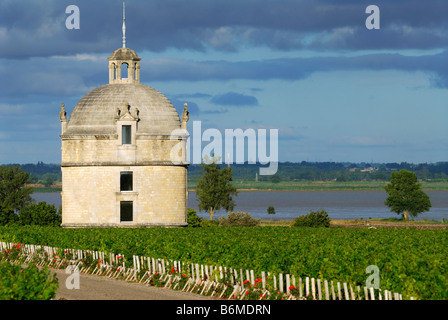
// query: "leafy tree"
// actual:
[[405, 194], [13, 194], [7, 216], [41, 214], [214, 189], [271, 210]]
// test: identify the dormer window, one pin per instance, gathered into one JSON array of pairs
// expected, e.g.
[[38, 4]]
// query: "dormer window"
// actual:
[[126, 134]]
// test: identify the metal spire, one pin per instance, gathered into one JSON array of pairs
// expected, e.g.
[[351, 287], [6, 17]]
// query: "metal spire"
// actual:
[[124, 26]]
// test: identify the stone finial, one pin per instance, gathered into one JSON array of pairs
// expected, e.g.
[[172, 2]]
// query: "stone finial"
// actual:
[[63, 113], [63, 118], [185, 117]]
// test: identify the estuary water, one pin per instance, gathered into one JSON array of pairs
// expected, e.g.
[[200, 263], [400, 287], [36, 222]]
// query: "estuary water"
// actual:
[[291, 204]]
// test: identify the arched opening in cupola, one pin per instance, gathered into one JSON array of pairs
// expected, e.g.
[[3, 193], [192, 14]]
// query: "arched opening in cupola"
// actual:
[[124, 70]]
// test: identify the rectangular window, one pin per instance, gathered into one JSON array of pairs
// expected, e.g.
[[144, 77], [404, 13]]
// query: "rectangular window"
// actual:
[[126, 211], [126, 183], [126, 135]]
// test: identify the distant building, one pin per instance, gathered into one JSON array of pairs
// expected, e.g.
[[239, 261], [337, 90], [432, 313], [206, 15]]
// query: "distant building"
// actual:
[[118, 165]]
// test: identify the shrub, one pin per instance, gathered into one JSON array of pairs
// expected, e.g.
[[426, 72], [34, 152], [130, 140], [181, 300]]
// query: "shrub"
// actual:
[[193, 219], [313, 219], [41, 214], [240, 219], [209, 223], [7, 216], [30, 283]]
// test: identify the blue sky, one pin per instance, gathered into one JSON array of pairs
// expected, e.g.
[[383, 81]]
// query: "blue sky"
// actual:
[[335, 90]]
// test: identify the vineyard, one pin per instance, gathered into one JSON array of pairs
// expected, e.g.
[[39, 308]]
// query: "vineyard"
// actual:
[[411, 261]]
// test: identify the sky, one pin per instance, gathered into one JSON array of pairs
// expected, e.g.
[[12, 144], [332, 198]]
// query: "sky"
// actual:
[[334, 89]]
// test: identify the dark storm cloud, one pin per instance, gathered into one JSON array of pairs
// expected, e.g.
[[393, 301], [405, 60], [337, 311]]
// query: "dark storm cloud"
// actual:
[[55, 76], [37, 28], [296, 68]]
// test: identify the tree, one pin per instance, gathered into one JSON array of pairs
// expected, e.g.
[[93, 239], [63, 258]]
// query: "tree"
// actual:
[[405, 194], [41, 214], [214, 189], [13, 194], [271, 210]]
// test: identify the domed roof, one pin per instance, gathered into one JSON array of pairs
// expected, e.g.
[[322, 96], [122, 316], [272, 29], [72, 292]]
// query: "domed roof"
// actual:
[[96, 112], [124, 54]]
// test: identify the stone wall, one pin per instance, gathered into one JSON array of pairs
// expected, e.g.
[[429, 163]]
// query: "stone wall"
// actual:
[[91, 196]]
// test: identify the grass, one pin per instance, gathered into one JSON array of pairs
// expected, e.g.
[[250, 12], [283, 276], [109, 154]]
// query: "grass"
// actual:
[[250, 185], [247, 185]]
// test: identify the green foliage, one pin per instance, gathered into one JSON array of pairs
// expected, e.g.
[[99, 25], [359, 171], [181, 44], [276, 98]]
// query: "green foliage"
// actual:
[[313, 219], [209, 223], [271, 210], [214, 189], [239, 219], [193, 219], [29, 283], [13, 193], [275, 178], [7, 216], [41, 214], [405, 194], [411, 261]]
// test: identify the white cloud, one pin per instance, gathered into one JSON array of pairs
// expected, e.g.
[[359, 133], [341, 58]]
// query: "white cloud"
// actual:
[[82, 57]]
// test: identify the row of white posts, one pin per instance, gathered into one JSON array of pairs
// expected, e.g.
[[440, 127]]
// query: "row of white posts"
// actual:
[[201, 279]]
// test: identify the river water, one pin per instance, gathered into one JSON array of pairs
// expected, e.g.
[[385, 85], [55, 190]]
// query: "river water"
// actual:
[[291, 204]]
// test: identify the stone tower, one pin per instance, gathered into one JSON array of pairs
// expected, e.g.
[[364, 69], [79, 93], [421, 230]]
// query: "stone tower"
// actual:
[[123, 154]]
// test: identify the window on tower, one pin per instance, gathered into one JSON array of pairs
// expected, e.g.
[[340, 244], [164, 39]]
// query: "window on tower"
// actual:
[[126, 183], [126, 134], [126, 211]]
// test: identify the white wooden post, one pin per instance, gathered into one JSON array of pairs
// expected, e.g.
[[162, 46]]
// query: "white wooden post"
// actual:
[[307, 287], [346, 291], [280, 282], [327, 294], [339, 291], [313, 289], [372, 294]]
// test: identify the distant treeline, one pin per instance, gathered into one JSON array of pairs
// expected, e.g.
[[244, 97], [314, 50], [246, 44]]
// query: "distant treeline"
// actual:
[[327, 171], [287, 171]]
